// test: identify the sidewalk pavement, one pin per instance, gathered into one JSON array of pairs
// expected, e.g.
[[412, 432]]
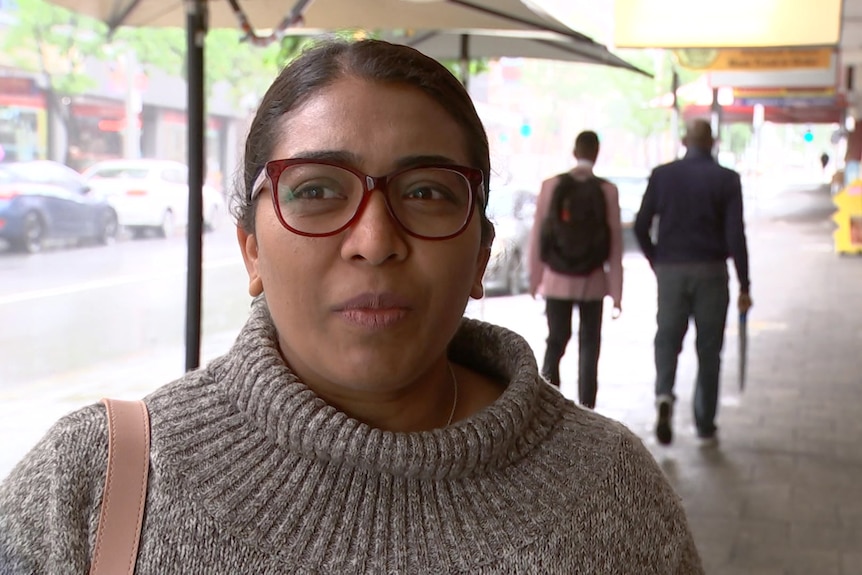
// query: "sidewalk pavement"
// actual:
[[782, 494]]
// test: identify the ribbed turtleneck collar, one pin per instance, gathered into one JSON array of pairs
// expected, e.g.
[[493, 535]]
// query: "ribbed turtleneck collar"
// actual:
[[259, 384], [268, 458]]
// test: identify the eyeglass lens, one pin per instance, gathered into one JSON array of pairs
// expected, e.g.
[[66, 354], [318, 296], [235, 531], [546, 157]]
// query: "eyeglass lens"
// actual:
[[320, 199]]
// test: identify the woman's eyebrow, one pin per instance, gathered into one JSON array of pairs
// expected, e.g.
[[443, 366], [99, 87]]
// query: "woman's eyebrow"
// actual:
[[350, 159], [337, 156], [419, 160]]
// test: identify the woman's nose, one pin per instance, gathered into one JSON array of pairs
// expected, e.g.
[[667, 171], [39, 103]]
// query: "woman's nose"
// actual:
[[375, 236]]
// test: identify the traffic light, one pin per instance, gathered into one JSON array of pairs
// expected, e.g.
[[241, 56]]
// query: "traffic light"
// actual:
[[808, 136]]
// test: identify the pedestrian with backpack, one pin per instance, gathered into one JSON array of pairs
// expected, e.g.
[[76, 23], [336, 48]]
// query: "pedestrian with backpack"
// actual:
[[576, 260]]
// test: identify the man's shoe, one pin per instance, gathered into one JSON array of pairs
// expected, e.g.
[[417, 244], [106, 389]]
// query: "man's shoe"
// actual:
[[663, 429], [707, 440]]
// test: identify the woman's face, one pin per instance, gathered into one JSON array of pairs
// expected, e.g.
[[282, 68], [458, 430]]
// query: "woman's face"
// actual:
[[372, 308]]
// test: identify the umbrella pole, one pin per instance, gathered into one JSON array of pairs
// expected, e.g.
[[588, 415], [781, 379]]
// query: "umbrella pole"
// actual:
[[465, 60], [196, 29], [674, 119]]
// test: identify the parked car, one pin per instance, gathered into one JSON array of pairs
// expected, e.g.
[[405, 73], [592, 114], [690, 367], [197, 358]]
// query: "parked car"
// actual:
[[631, 187], [511, 210], [152, 195], [43, 200]]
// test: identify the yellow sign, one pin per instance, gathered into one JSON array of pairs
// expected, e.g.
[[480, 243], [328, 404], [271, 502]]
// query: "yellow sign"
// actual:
[[726, 24], [847, 236], [783, 92], [759, 59]]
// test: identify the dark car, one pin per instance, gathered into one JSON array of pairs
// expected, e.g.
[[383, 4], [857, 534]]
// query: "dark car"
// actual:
[[42, 201], [511, 210]]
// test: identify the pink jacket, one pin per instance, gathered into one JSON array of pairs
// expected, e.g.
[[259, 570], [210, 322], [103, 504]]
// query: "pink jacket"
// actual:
[[602, 282]]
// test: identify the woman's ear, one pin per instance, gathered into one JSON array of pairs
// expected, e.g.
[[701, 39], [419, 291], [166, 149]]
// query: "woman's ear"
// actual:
[[249, 249], [478, 289]]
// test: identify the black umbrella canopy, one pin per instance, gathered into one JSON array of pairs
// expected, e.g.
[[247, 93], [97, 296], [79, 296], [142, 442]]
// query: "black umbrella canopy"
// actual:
[[327, 14], [281, 16], [466, 45]]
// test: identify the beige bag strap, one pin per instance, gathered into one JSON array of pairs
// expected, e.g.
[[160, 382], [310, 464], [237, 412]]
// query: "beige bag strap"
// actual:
[[125, 491]]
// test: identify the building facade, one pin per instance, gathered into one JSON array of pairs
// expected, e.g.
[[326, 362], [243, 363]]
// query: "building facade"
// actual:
[[126, 115]]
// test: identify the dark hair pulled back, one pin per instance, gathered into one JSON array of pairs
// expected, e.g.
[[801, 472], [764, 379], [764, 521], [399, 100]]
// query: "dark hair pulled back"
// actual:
[[374, 60]]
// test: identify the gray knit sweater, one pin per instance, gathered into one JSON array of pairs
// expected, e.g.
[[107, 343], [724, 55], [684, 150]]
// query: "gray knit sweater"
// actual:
[[253, 473]]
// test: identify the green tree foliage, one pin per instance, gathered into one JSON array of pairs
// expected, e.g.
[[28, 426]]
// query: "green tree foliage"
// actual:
[[55, 44], [154, 48], [228, 58], [247, 68], [636, 93], [474, 68], [613, 99], [289, 47], [609, 99]]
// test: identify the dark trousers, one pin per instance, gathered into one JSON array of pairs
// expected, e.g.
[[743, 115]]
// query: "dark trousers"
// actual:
[[699, 291], [559, 313]]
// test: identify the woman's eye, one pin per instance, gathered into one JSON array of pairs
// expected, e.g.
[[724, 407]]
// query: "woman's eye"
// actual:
[[426, 192], [311, 191]]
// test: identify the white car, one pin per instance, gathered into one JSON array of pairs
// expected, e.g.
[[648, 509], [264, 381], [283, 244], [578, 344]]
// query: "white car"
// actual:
[[511, 210], [151, 195]]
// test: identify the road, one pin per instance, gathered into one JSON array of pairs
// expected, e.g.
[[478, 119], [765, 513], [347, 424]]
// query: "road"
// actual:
[[66, 309]]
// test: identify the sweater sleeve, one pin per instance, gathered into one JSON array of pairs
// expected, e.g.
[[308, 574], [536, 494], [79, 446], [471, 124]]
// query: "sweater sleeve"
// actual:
[[734, 231], [644, 221], [49, 502], [615, 257], [537, 267]]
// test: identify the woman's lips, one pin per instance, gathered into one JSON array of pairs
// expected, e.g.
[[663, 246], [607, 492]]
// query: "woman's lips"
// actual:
[[374, 318], [374, 310]]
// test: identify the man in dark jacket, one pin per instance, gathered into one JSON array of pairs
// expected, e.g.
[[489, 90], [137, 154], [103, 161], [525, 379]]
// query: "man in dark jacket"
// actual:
[[698, 204]]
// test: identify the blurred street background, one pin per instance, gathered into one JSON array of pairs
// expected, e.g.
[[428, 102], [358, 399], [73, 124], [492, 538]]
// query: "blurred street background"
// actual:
[[99, 308]]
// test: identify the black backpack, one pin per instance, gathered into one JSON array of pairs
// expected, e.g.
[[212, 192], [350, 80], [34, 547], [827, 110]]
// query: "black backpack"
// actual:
[[575, 237]]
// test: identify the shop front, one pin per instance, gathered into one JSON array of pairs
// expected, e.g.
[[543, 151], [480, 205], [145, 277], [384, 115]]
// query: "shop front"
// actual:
[[23, 121], [96, 130]]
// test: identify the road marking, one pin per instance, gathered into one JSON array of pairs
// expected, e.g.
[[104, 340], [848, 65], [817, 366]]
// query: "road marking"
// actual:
[[108, 283]]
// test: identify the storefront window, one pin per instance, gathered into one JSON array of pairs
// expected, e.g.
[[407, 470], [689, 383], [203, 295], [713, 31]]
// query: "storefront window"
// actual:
[[18, 134]]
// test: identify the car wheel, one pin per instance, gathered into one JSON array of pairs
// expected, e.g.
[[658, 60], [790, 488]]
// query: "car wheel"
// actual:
[[166, 230], [108, 227], [34, 234]]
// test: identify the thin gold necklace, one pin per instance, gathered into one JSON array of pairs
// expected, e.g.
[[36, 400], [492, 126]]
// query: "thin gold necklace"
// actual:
[[455, 400]]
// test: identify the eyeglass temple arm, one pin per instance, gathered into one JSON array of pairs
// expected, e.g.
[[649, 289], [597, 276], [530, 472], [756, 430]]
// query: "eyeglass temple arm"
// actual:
[[257, 186]]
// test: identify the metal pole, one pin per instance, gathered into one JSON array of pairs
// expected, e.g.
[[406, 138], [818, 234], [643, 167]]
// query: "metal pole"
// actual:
[[196, 29], [715, 118], [674, 116], [132, 131], [464, 58]]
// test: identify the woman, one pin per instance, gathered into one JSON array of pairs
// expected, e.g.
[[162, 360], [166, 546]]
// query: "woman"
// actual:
[[359, 424]]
